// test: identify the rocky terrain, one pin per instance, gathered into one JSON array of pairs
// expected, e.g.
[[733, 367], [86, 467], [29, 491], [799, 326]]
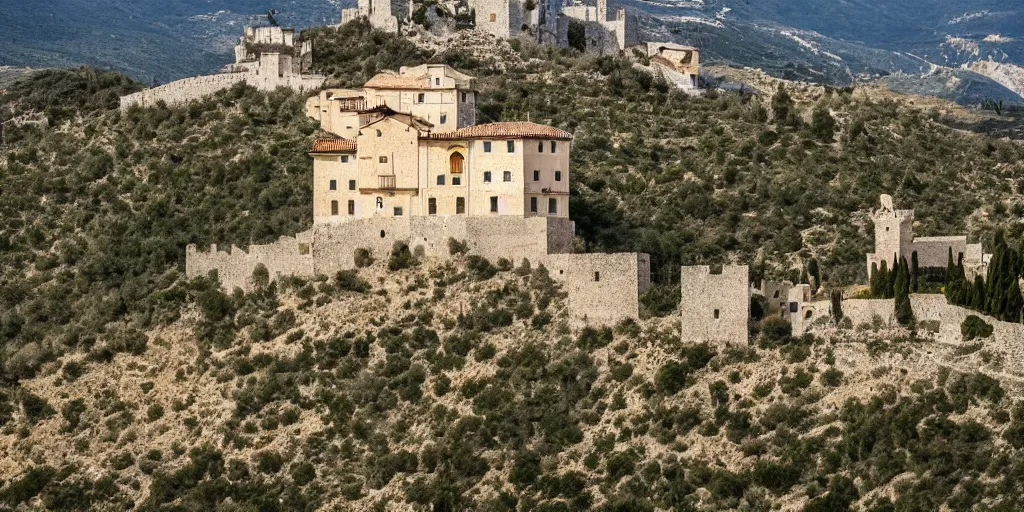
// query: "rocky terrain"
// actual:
[[411, 384]]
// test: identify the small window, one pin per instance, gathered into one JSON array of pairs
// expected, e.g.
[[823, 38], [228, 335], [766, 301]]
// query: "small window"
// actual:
[[437, 81], [552, 206], [333, 185], [533, 205], [398, 211], [494, 204], [383, 159], [511, 146], [334, 207], [379, 133], [460, 205], [807, 316], [382, 233], [487, 146], [420, 97], [717, 314], [597, 277], [554, 146], [303, 249], [494, 17], [506, 176], [440, 179], [536, 175], [344, 159], [540, 147], [558, 175], [351, 207], [487, 176], [463, 97], [776, 294], [444, 118], [456, 180], [432, 206], [351, 184]]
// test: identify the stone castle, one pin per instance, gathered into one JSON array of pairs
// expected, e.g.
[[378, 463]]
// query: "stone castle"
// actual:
[[266, 58], [894, 238]]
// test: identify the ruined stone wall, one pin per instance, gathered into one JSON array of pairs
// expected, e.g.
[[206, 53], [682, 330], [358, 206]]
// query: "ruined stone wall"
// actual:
[[287, 256], [715, 307], [198, 87], [603, 289]]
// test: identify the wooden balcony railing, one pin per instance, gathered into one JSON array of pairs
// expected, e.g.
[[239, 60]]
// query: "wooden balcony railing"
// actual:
[[387, 182]]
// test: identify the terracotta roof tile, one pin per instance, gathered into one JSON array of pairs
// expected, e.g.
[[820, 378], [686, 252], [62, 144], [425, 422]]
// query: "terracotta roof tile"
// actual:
[[514, 130], [334, 146], [393, 81]]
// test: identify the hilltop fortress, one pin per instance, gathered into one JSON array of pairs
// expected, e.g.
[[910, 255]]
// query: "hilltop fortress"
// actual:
[[265, 58]]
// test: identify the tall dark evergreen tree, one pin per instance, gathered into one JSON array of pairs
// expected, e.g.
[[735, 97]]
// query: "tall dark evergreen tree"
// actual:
[[913, 272], [815, 272], [875, 276], [890, 290], [837, 305], [904, 310]]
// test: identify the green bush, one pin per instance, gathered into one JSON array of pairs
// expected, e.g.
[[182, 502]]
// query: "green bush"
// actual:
[[974, 327], [401, 257], [363, 258], [349, 280]]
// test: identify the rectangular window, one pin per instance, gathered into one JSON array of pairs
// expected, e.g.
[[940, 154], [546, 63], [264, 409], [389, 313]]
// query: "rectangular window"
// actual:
[[487, 176], [494, 17], [351, 184], [717, 314], [334, 207], [351, 207], [333, 185], [511, 146], [420, 97], [440, 179], [460, 205], [487, 146], [554, 146], [536, 175], [494, 204], [540, 147], [344, 159], [463, 97], [456, 180], [444, 118], [553, 206], [597, 277], [432, 206], [398, 211], [533, 205], [507, 176], [383, 159], [437, 81], [558, 175]]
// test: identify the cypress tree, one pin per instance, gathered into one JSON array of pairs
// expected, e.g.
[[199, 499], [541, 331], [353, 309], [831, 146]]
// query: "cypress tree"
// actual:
[[815, 272], [837, 305], [913, 272], [883, 281], [949, 267], [978, 294], [904, 311], [874, 280], [1014, 302], [891, 288]]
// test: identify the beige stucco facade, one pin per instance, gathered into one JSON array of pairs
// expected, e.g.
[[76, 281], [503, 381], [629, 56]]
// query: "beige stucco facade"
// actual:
[[436, 93]]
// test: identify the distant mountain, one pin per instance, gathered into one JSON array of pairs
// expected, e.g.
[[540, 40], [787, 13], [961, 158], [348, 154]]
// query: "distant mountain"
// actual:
[[828, 41]]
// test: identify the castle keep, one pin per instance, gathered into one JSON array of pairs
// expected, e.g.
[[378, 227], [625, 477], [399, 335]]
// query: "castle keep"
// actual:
[[265, 58]]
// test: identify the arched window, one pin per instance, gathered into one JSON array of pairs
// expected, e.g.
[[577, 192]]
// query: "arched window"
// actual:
[[455, 163]]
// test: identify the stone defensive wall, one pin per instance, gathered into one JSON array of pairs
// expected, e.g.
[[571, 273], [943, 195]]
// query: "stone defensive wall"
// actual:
[[287, 256], [198, 87], [602, 289]]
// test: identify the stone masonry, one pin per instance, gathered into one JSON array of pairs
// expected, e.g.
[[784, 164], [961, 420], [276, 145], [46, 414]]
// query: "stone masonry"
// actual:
[[715, 307]]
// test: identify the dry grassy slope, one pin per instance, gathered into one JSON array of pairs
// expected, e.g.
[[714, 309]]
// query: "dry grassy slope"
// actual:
[[175, 350]]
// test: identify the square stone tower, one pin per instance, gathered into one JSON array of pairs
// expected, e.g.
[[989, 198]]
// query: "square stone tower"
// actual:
[[894, 236], [715, 307]]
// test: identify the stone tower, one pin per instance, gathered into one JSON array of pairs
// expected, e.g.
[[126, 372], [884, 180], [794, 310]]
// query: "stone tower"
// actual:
[[715, 307], [602, 10], [893, 234]]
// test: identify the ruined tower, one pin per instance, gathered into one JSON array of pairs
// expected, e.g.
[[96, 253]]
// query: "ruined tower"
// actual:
[[715, 307], [893, 234]]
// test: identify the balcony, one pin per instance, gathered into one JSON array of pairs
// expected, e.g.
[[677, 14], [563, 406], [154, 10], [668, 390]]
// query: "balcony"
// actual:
[[386, 182]]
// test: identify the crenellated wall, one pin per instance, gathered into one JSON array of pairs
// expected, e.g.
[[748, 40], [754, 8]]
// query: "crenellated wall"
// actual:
[[198, 87], [287, 256]]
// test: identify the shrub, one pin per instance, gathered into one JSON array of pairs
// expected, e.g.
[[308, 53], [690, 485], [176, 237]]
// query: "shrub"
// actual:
[[480, 268], [974, 327], [457, 247], [671, 377], [526, 468], [349, 280], [831, 377], [363, 258], [269, 461], [775, 331], [155, 412], [36, 408], [401, 257], [303, 474]]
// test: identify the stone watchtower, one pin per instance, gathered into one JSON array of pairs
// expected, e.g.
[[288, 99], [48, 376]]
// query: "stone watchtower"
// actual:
[[715, 307], [893, 234]]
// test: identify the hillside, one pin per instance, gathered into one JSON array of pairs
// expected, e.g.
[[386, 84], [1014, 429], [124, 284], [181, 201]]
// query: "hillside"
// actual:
[[462, 386]]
